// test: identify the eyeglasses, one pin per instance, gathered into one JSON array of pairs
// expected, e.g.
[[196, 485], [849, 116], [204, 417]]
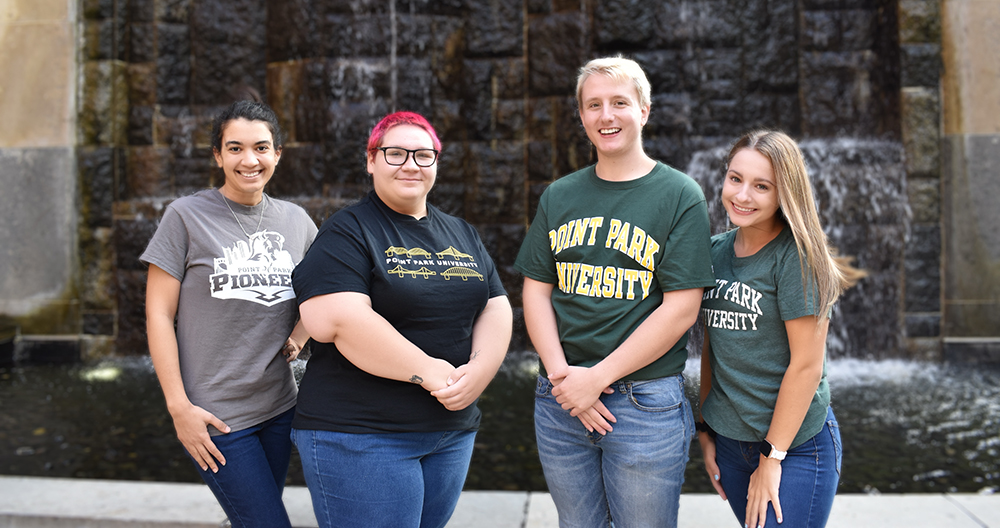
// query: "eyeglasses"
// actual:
[[397, 156]]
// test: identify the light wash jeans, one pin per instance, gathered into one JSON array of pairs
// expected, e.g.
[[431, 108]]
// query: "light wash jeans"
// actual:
[[633, 475], [390, 480], [809, 476], [249, 486]]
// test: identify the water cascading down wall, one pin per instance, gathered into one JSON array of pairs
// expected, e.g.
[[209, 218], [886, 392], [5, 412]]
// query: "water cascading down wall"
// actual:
[[856, 80]]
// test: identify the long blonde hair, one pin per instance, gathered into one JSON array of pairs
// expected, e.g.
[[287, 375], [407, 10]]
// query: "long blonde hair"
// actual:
[[797, 207]]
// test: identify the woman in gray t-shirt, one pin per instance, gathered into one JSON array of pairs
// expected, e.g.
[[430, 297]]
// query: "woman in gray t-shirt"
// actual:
[[220, 264]]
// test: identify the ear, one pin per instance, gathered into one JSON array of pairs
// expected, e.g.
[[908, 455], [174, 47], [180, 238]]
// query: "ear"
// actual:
[[277, 155], [371, 162], [645, 114], [218, 156]]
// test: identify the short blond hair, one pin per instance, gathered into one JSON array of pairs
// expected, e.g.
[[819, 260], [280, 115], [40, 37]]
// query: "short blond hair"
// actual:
[[620, 69]]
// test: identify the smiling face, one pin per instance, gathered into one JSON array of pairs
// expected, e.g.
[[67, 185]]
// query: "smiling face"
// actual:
[[750, 192], [403, 188], [248, 159], [612, 116]]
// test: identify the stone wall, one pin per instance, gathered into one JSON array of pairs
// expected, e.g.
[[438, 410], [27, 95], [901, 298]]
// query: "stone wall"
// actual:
[[496, 77], [971, 181], [38, 283]]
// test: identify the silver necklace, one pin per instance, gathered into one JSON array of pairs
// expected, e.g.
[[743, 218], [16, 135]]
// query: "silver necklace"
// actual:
[[259, 220]]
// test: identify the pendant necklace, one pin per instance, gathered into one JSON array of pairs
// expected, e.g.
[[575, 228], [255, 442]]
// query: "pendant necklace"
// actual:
[[261, 219]]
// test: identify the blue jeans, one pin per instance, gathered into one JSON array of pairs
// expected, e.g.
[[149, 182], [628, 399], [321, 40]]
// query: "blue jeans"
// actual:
[[809, 476], [633, 475], [249, 486], [387, 480]]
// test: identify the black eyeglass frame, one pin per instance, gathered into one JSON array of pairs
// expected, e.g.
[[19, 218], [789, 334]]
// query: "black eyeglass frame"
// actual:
[[409, 153]]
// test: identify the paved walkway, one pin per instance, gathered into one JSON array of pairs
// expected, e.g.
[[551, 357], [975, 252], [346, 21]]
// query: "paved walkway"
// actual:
[[31, 502]]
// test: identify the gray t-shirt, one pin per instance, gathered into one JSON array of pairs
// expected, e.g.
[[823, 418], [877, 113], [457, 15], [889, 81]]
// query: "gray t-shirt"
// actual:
[[236, 306]]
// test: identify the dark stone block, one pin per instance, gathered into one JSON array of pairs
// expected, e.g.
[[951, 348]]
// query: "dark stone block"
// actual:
[[452, 164], [416, 34], [558, 49], [194, 173], [139, 11], [141, 42], [300, 172], [292, 30], [228, 49], [706, 23], [663, 69], [919, 21], [821, 31], [624, 24], [140, 125], [858, 28], [98, 9], [920, 65], [131, 336], [173, 64], [179, 11], [98, 323], [496, 183], [670, 114], [923, 269], [539, 7], [52, 351], [985, 351], [414, 86], [494, 28], [98, 168], [359, 36], [923, 325], [142, 84], [839, 88], [540, 161], [503, 241], [130, 239], [148, 172]]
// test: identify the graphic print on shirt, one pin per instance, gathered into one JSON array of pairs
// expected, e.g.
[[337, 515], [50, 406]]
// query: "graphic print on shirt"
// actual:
[[739, 294], [414, 262], [610, 282], [260, 271]]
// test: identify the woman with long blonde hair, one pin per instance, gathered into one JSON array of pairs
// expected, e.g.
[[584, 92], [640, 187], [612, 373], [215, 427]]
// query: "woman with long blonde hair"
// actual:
[[770, 439]]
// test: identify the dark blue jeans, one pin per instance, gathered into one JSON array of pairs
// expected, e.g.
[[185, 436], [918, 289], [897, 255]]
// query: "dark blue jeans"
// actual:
[[809, 477], [249, 486]]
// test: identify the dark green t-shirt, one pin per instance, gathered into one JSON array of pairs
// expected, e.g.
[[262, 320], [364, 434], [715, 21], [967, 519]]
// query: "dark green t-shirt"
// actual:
[[611, 249], [745, 317]]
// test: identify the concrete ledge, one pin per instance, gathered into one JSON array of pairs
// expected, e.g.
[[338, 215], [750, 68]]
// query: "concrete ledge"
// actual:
[[32, 502]]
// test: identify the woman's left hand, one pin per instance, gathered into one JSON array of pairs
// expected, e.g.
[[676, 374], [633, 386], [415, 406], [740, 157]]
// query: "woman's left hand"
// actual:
[[764, 483], [575, 389], [465, 384], [291, 350]]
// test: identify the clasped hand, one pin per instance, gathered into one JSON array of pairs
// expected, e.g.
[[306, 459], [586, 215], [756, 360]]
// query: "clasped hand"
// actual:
[[577, 391], [464, 385]]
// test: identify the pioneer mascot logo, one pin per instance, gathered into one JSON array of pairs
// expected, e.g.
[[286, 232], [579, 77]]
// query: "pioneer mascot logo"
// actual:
[[260, 271]]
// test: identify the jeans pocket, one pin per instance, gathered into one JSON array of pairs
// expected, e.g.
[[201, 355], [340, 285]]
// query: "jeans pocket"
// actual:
[[543, 387], [657, 395], [838, 447]]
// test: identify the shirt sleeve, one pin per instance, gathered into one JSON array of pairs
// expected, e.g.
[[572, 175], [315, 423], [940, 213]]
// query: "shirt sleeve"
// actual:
[[168, 248], [339, 260], [686, 259], [796, 298], [534, 259]]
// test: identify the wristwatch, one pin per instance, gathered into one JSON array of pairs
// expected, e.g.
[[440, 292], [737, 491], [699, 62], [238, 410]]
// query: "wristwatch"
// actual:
[[769, 451]]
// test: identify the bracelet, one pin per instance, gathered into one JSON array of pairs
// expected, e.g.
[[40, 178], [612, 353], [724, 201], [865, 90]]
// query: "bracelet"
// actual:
[[703, 427]]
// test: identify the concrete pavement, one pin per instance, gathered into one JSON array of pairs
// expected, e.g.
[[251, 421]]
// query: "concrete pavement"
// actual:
[[32, 502]]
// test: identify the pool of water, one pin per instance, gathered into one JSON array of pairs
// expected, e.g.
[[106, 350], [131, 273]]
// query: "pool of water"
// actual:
[[907, 426]]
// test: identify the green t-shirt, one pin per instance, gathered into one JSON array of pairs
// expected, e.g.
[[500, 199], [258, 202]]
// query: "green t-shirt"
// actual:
[[745, 317], [611, 249]]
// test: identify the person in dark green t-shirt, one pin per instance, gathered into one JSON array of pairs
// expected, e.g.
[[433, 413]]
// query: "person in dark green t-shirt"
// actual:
[[763, 376], [615, 263]]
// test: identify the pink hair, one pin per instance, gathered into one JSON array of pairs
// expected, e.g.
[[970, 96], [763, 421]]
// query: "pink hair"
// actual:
[[400, 118]]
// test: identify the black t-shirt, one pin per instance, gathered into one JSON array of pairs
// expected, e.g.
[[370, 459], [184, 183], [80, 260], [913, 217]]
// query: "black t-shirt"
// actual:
[[430, 278]]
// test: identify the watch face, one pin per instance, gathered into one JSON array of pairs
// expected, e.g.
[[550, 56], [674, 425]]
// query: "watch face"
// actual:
[[765, 448]]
